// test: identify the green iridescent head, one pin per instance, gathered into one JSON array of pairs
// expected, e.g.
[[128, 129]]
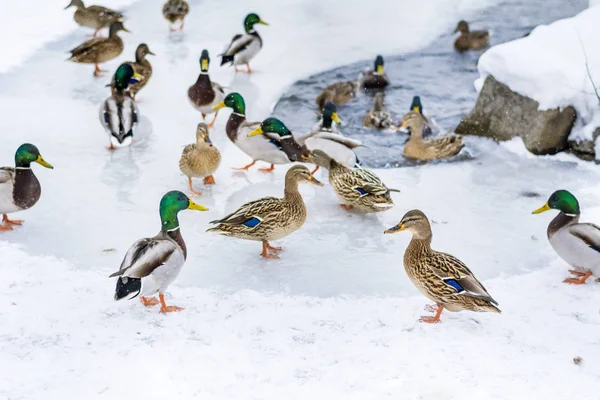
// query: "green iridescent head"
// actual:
[[234, 101], [251, 20], [126, 75], [561, 200], [27, 154], [416, 105], [204, 61], [170, 205], [330, 114], [379, 65], [272, 126]]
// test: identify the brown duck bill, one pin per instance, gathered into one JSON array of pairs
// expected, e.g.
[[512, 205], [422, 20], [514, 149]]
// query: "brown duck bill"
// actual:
[[394, 229], [314, 181]]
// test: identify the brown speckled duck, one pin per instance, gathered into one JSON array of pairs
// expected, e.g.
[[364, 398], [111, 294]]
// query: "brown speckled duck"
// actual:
[[142, 67], [428, 149], [470, 40], [374, 78], [95, 17], [338, 93], [204, 94], [201, 159], [378, 117], [175, 10]]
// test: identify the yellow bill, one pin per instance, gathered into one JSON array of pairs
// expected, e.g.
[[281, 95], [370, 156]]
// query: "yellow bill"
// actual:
[[542, 209], [204, 65], [380, 69], [262, 22], [416, 109], [220, 105], [40, 160], [196, 206], [336, 118], [257, 131], [394, 229]]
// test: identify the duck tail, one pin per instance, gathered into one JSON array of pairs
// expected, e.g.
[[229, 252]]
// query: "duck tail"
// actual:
[[128, 288], [217, 229], [226, 59]]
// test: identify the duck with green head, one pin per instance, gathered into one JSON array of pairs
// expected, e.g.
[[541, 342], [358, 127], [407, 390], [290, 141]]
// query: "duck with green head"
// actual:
[[577, 243], [142, 67], [152, 264], [374, 78], [417, 106], [19, 187], [205, 94], [244, 48]]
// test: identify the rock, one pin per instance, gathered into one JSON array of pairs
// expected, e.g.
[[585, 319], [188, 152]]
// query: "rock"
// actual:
[[502, 114], [584, 149]]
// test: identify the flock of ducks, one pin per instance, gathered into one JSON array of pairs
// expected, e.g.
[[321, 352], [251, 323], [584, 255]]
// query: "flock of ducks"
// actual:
[[152, 264]]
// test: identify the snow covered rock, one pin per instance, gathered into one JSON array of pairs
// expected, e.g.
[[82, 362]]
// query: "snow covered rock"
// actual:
[[502, 114]]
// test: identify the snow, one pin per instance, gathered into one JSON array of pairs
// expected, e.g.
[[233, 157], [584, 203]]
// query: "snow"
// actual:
[[336, 317]]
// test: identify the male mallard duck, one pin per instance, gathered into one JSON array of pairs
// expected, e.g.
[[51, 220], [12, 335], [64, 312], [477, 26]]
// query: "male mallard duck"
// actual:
[[376, 78], [320, 124], [337, 93], [175, 10], [441, 277], [99, 50], [271, 148], [95, 17], [201, 159], [19, 187], [428, 149], [358, 189], [378, 117], [243, 48], [118, 113], [470, 40], [152, 264], [269, 218], [205, 94], [417, 106], [142, 67], [576, 243]]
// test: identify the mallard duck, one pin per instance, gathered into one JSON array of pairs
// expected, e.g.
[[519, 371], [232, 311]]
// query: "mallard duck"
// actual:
[[378, 117], [269, 218], [320, 124], [175, 10], [441, 277], [417, 106], [271, 148], [204, 94], [470, 40], [152, 264], [376, 78], [119, 113], [428, 149], [358, 189], [19, 187], [201, 159], [337, 93], [99, 50], [578, 244], [142, 67], [244, 48], [95, 17]]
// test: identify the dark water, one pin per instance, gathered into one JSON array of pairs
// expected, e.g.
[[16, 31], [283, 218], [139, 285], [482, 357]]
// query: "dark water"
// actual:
[[443, 78]]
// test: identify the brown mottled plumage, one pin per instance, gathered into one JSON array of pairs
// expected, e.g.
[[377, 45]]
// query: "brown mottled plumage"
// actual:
[[99, 50], [378, 117], [175, 10], [200, 159], [470, 40], [428, 149], [96, 17], [140, 66], [337, 93]]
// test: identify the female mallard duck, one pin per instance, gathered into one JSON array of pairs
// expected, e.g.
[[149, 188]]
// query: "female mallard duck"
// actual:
[[118, 113], [441, 277], [152, 264], [358, 189], [337, 93], [378, 117], [269, 218], [99, 50], [201, 159], [19, 187], [277, 147], [376, 78], [244, 48], [470, 40], [204, 94], [576, 243], [142, 67], [428, 149], [95, 17], [175, 10]]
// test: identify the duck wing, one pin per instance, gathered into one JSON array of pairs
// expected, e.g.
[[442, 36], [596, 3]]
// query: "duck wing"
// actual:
[[105, 14], [144, 256], [7, 174], [238, 43], [251, 214], [334, 137], [588, 234], [89, 46], [365, 182]]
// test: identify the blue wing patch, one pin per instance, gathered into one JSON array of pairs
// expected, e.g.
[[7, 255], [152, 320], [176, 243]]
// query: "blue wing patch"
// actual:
[[275, 143], [362, 191], [454, 284], [252, 222]]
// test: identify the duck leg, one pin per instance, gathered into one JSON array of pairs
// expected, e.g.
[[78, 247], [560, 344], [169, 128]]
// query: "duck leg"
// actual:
[[270, 169], [149, 302], [11, 221], [182, 24], [315, 170], [97, 71], [209, 180], [272, 248], [164, 308], [265, 252], [192, 187], [249, 69], [246, 167], [435, 319], [214, 120], [578, 281], [346, 207]]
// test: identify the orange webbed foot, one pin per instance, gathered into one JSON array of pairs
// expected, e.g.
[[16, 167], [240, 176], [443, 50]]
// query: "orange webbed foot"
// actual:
[[149, 301], [5, 228], [576, 273], [266, 170], [429, 320], [209, 180], [346, 207], [245, 168], [11, 221], [436, 318], [164, 308]]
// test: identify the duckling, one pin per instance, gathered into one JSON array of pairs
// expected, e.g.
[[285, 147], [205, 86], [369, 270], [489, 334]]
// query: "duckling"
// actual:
[[152, 264], [470, 40], [19, 187], [95, 17], [175, 10], [358, 189], [378, 117], [201, 159], [337, 93], [243, 48], [204, 94], [99, 50], [428, 149], [142, 67], [376, 78], [269, 218], [441, 277], [577, 243]]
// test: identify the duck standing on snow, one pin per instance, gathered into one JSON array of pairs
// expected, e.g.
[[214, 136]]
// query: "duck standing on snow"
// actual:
[[19, 187], [337, 93], [201, 159], [99, 50], [376, 78], [575, 242], [358, 189], [470, 40], [152, 264], [428, 149], [269, 218], [244, 48], [95, 17], [175, 10], [441, 277], [204, 94], [142, 67], [118, 113], [378, 117]]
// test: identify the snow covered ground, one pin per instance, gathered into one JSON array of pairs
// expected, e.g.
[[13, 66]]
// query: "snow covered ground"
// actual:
[[336, 316]]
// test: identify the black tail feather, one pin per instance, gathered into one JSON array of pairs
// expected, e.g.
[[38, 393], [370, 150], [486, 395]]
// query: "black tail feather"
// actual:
[[226, 59], [127, 288]]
